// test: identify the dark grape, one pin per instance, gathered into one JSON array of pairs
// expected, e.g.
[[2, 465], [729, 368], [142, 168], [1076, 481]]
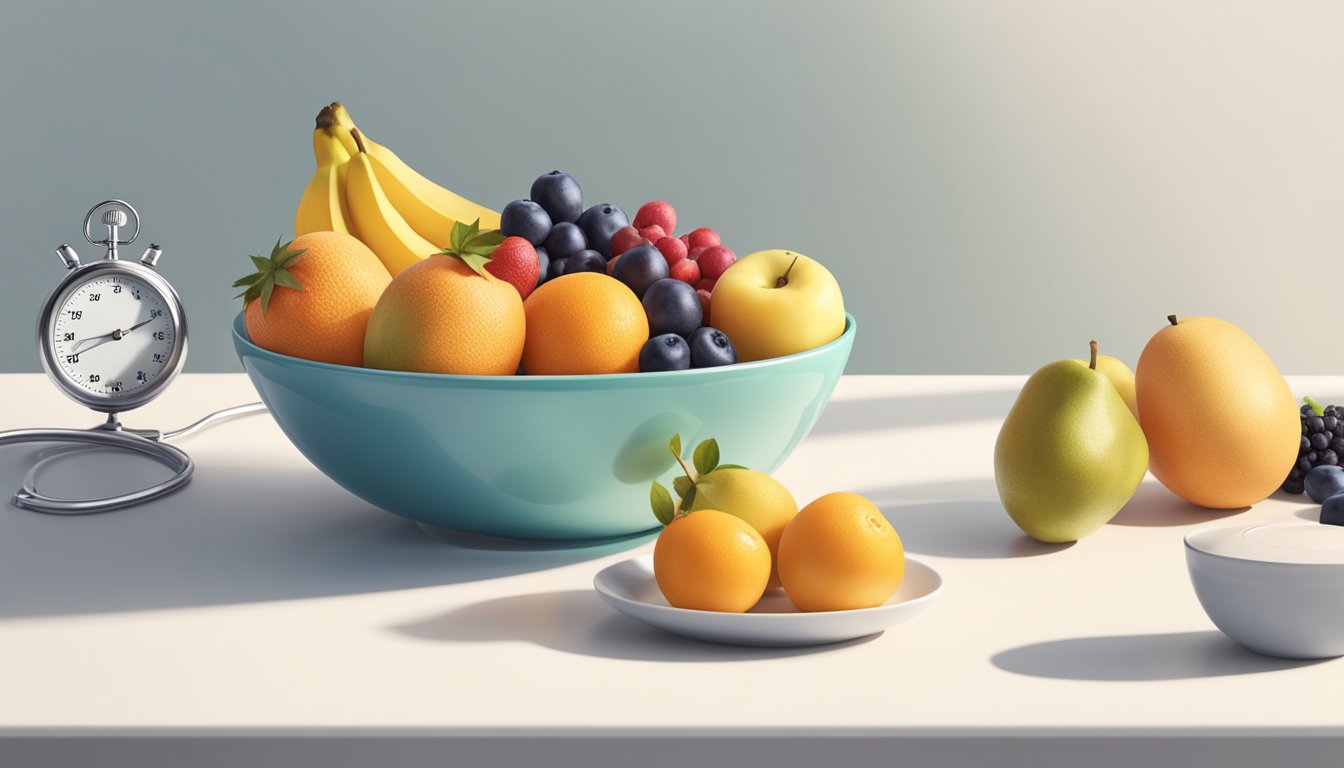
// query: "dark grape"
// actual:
[[1322, 444]]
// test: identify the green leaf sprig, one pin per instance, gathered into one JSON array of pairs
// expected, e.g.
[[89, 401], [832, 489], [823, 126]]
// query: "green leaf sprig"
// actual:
[[472, 245], [705, 459], [1316, 406], [270, 272]]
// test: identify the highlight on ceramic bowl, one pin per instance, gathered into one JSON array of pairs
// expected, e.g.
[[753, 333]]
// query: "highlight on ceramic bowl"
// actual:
[[1274, 588], [534, 457]]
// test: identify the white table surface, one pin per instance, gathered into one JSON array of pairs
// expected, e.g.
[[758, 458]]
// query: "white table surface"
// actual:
[[263, 600]]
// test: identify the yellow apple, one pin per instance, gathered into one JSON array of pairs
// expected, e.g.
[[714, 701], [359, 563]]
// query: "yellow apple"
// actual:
[[774, 303]]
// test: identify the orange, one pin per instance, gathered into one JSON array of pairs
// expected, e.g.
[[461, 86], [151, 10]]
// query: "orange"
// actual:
[[709, 560], [585, 322], [1222, 426], [325, 321], [440, 316], [840, 553]]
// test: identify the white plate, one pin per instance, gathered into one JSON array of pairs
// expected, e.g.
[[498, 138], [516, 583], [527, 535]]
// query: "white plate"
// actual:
[[629, 587]]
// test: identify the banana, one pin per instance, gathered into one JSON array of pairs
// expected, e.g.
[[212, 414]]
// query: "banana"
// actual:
[[430, 209], [322, 207], [377, 221]]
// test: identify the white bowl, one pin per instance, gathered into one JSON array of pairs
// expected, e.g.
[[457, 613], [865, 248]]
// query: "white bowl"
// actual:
[[1277, 589], [629, 587]]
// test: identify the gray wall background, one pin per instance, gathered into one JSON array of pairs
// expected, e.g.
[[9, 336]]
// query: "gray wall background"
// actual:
[[993, 183]]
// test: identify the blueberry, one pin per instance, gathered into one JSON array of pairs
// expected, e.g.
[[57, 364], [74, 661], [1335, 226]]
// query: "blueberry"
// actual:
[[1329, 422], [586, 261], [1315, 423], [1324, 482], [672, 307], [711, 347], [1320, 441], [560, 195], [1306, 444], [1332, 511], [1292, 485], [557, 268], [599, 223], [1327, 458], [640, 267], [1306, 410], [565, 240], [543, 265], [525, 219], [1303, 463], [667, 352]]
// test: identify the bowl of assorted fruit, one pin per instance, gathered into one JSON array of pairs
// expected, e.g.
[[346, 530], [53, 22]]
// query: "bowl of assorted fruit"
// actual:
[[519, 374]]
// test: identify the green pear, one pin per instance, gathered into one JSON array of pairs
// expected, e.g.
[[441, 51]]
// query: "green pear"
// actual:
[[1122, 378], [1070, 454]]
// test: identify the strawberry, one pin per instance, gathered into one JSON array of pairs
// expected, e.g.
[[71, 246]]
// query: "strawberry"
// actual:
[[515, 261]]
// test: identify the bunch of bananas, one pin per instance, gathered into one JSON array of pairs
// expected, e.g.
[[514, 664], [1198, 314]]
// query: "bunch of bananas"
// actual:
[[363, 189]]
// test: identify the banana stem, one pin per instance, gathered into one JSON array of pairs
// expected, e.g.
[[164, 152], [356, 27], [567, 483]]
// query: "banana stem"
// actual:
[[1093, 363], [359, 138], [326, 118], [1171, 319]]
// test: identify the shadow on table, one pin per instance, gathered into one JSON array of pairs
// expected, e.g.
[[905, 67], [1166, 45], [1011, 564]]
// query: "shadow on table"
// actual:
[[1162, 656], [578, 622], [239, 534], [956, 518], [897, 411], [1154, 505]]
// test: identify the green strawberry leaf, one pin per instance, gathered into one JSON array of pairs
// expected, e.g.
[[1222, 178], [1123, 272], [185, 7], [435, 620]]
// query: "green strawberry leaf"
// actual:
[[284, 277], [472, 246], [706, 456], [661, 501], [270, 273], [674, 445]]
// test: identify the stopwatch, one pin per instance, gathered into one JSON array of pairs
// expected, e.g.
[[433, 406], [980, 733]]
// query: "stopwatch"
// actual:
[[113, 333]]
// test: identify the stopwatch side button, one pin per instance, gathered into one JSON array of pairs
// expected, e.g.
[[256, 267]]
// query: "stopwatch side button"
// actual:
[[151, 255], [68, 256]]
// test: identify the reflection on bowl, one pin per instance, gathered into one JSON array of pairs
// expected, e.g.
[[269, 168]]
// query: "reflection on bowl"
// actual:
[[535, 457]]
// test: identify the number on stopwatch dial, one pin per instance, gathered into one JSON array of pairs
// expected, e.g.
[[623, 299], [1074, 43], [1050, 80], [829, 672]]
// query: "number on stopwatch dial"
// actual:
[[113, 335]]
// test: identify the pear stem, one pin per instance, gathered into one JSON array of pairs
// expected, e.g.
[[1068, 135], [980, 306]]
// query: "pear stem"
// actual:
[[1171, 319], [1093, 363], [359, 138], [784, 278]]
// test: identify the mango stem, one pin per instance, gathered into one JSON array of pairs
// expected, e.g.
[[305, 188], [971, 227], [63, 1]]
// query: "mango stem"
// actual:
[[1171, 319]]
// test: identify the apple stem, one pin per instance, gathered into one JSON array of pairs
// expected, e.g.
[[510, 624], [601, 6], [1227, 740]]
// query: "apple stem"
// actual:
[[359, 138], [1093, 363], [784, 278], [1171, 319]]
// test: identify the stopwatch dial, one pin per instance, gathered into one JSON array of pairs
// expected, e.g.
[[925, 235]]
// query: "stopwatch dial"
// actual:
[[113, 335]]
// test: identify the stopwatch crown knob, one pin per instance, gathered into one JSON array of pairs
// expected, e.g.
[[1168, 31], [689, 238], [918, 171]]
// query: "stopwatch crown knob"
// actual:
[[114, 218]]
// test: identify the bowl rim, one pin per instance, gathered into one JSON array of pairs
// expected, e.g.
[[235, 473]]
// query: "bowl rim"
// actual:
[[240, 337]]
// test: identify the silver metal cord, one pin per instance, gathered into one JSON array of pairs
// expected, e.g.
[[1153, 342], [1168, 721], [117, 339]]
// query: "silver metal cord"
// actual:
[[146, 442], [215, 418]]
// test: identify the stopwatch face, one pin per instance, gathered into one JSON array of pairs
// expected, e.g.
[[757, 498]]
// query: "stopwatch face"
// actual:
[[114, 337]]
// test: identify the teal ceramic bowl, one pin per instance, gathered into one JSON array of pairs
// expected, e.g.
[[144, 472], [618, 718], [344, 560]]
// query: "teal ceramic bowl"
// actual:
[[535, 457]]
